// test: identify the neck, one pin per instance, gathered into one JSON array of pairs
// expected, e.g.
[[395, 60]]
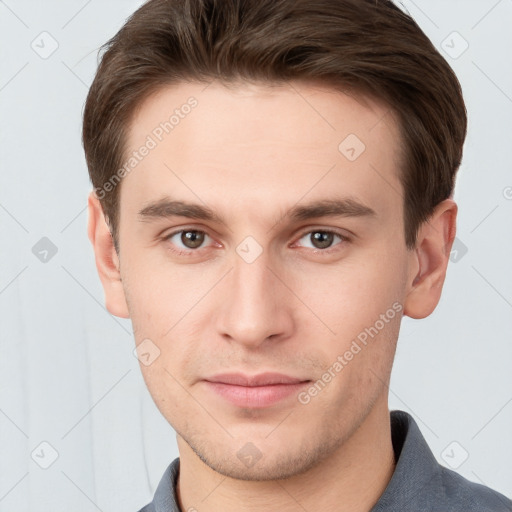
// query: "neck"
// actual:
[[351, 479]]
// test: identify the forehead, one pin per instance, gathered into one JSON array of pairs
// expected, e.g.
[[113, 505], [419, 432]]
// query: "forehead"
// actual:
[[254, 145]]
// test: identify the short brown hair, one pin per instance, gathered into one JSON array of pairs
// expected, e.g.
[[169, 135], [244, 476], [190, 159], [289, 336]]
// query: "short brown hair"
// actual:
[[368, 46]]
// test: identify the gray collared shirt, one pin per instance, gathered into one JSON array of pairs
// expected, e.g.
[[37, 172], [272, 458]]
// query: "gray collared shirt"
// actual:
[[419, 483]]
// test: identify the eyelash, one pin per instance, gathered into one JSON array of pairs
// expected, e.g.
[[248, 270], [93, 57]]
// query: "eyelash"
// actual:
[[329, 250]]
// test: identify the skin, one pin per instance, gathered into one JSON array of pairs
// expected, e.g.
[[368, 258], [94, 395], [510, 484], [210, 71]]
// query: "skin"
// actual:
[[250, 153]]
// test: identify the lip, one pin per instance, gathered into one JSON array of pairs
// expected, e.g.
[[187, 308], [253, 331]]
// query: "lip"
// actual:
[[257, 391]]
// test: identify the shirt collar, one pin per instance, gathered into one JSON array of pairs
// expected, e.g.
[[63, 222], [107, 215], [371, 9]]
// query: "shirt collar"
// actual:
[[415, 466]]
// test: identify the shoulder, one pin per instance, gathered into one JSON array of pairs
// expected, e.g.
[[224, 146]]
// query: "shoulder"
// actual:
[[148, 508], [457, 493], [419, 482], [165, 495]]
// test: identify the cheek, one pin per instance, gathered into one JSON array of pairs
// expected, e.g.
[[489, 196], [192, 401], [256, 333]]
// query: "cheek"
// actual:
[[165, 392], [158, 295], [366, 367], [353, 294], [363, 306]]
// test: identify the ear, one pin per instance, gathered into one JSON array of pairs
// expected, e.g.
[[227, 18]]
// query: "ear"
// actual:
[[107, 260], [429, 261]]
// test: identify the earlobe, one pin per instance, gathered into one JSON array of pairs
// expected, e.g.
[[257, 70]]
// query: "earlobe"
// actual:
[[107, 260], [430, 260]]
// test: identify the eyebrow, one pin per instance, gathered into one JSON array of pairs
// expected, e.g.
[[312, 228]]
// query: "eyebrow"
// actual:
[[345, 207]]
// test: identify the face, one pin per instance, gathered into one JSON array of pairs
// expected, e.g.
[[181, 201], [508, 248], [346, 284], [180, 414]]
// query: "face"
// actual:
[[263, 233]]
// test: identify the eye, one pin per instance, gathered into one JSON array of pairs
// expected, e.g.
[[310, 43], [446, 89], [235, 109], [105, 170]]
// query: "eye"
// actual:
[[322, 239], [186, 240]]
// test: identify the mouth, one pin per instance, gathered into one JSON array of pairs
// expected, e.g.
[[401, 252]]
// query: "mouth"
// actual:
[[256, 391]]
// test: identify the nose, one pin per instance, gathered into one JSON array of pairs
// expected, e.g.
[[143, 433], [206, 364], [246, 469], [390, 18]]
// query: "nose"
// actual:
[[256, 304]]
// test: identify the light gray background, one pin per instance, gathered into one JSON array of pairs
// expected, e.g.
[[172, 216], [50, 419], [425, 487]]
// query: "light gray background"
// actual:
[[68, 376]]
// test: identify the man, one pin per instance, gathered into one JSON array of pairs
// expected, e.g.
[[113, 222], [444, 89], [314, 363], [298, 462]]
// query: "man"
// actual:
[[273, 185]]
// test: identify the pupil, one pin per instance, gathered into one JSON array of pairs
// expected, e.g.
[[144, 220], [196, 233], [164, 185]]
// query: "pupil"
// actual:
[[322, 239], [192, 239]]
